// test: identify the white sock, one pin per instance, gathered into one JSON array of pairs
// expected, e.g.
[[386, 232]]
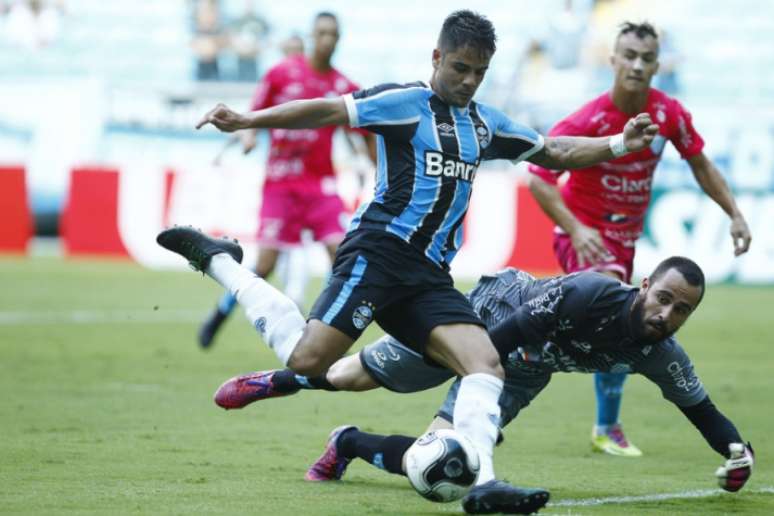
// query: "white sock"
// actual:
[[272, 313], [294, 274], [477, 417]]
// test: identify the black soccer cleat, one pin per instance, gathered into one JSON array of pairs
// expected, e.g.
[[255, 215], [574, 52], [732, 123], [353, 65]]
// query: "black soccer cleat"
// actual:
[[497, 496], [196, 247], [210, 327]]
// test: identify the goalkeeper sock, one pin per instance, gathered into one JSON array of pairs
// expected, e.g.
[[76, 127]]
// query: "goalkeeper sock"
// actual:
[[383, 451], [272, 313], [477, 417]]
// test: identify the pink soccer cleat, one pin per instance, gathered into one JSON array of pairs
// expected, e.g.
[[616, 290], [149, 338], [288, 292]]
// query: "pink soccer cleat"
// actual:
[[240, 391], [330, 465]]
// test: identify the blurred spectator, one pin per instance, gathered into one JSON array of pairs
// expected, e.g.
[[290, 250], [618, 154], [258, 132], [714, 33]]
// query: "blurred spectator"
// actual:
[[564, 37], [33, 24], [525, 94], [248, 35], [667, 79], [208, 40], [292, 46], [547, 78]]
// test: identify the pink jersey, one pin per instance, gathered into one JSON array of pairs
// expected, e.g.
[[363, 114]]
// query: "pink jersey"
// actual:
[[299, 154], [613, 196]]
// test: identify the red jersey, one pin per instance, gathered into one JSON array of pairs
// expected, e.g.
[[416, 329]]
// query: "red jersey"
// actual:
[[613, 196], [299, 154]]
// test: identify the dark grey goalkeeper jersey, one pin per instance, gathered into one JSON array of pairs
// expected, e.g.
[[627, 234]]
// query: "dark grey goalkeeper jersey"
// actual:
[[580, 323]]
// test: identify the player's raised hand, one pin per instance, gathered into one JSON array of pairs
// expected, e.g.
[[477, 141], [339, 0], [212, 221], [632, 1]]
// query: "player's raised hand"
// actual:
[[639, 132], [734, 473], [740, 233], [589, 246], [224, 118]]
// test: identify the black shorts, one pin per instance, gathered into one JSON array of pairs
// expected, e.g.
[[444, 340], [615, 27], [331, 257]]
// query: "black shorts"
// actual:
[[379, 277]]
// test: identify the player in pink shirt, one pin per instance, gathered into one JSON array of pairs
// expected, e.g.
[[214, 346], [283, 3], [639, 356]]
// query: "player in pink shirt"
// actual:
[[299, 189], [599, 211]]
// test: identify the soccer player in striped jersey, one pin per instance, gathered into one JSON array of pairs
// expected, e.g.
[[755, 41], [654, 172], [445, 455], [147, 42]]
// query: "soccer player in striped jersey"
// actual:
[[393, 265], [600, 210]]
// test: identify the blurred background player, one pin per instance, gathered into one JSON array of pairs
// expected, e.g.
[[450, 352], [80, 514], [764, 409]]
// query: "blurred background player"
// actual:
[[292, 46], [599, 211], [299, 190]]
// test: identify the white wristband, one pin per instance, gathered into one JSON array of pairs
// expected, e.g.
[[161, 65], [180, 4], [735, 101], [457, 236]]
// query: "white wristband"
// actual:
[[617, 145]]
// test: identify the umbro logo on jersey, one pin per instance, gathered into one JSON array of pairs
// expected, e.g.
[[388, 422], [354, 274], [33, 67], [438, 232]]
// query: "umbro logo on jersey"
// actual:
[[436, 165], [446, 129]]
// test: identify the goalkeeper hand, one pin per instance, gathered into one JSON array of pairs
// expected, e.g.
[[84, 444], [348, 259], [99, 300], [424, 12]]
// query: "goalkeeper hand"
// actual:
[[734, 473]]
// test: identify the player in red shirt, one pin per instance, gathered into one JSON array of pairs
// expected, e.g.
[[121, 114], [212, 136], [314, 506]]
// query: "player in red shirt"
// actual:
[[599, 211], [299, 190]]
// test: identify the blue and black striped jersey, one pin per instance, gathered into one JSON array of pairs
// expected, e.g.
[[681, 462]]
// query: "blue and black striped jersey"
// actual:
[[428, 154]]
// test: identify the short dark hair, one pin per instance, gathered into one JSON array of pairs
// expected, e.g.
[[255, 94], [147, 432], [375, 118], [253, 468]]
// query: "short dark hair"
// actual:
[[466, 28], [689, 269], [641, 30], [326, 14]]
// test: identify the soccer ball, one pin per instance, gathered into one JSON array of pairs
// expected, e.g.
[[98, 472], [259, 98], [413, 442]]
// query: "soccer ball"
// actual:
[[442, 465]]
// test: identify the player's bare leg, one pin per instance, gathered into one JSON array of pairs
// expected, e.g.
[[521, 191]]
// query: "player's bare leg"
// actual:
[[468, 351], [318, 348], [265, 264], [348, 374], [266, 261]]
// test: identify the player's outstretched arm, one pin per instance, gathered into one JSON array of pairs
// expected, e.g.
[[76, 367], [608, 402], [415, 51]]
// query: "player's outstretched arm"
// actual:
[[297, 114], [711, 181], [573, 152], [723, 437]]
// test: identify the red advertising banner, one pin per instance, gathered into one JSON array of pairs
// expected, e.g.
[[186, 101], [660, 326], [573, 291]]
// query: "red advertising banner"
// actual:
[[16, 225], [89, 223]]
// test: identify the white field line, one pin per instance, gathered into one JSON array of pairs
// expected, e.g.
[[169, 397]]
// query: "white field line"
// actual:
[[699, 493], [135, 316]]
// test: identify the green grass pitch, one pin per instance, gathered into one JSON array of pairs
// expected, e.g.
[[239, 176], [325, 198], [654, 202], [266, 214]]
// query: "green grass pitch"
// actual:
[[106, 408]]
